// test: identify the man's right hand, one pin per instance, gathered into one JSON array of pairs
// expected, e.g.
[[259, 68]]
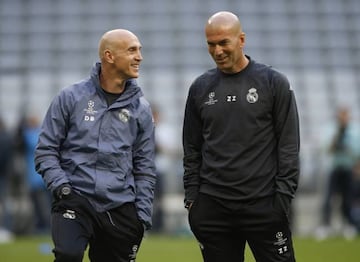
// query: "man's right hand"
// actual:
[[63, 191]]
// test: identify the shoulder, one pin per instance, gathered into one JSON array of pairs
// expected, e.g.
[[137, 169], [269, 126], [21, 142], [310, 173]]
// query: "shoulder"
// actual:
[[271, 79], [144, 105], [204, 81], [268, 72], [142, 108], [77, 90], [205, 78], [144, 113]]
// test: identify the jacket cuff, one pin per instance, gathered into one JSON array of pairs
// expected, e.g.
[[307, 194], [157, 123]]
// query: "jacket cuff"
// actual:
[[191, 193]]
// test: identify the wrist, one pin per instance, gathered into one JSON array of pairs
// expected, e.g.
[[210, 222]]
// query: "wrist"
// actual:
[[63, 191], [188, 204]]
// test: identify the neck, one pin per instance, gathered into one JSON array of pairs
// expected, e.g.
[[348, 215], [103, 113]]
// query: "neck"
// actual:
[[243, 63], [111, 84], [239, 66]]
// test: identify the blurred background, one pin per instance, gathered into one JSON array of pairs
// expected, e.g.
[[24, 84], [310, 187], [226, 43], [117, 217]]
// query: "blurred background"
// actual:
[[46, 45]]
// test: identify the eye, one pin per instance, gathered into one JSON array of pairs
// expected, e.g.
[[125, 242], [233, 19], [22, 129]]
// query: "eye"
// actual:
[[224, 42], [134, 49]]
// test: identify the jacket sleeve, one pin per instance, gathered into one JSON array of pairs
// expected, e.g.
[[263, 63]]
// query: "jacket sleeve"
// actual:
[[144, 167], [286, 123], [192, 146], [47, 156]]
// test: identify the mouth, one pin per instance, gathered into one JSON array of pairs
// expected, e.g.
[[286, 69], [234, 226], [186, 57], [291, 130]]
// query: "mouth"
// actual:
[[221, 60]]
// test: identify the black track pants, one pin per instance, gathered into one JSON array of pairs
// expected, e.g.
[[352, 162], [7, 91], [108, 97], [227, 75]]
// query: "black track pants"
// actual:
[[224, 227], [114, 235]]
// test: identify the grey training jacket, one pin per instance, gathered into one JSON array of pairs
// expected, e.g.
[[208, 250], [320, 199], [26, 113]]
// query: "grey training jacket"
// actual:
[[105, 153]]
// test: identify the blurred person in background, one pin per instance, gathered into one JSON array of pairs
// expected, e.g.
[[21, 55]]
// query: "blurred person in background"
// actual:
[[241, 152], [39, 195], [168, 163], [342, 145], [21, 205], [6, 163], [96, 155]]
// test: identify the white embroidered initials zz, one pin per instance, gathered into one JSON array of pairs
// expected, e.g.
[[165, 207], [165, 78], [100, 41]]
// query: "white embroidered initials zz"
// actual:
[[231, 98]]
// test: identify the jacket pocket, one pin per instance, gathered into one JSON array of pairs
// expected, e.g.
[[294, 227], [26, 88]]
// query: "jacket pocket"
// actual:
[[119, 162]]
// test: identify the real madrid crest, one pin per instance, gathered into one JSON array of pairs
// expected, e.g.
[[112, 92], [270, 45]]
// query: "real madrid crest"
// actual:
[[252, 96], [124, 115]]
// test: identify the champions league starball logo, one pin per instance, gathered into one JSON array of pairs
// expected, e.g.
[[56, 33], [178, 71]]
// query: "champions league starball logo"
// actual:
[[281, 243], [212, 99], [90, 112]]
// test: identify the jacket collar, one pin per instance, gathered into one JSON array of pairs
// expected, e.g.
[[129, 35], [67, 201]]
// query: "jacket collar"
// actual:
[[132, 90]]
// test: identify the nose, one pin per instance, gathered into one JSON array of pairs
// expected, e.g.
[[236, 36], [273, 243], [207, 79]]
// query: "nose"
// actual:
[[218, 50], [139, 57]]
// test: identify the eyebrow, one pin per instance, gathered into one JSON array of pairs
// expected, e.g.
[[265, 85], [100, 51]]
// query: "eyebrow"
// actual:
[[135, 47], [222, 41]]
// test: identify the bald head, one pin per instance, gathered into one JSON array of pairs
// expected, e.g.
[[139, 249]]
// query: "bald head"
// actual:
[[112, 39], [120, 57], [226, 41], [224, 21]]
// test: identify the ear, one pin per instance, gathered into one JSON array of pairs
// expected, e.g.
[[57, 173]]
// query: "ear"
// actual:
[[242, 39], [108, 56]]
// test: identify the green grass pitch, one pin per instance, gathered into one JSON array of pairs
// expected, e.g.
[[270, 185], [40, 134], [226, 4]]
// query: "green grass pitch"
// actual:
[[158, 248]]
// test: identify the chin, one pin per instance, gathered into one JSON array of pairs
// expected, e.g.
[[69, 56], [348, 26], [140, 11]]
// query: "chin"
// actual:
[[135, 74], [223, 68]]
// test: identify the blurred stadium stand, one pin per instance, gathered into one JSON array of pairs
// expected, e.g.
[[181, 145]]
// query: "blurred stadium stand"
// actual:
[[48, 44]]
